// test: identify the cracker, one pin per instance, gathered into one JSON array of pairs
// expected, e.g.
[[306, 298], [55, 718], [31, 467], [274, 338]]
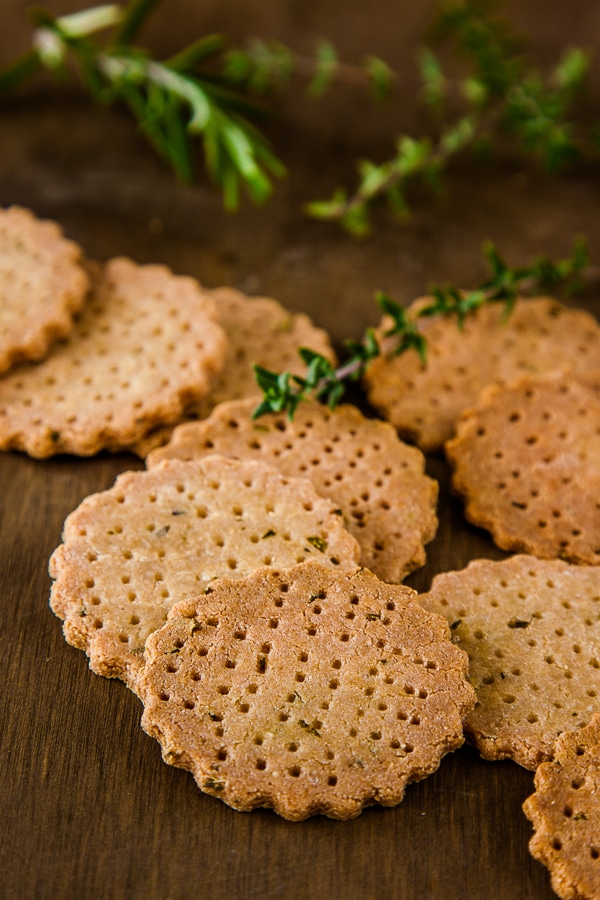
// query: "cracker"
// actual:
[[145, 346], [42, 284], [424, 402], [527, 464], [378, 482], [131, 552], [531, 629], [306, 691], [565, 812], [259, 331]]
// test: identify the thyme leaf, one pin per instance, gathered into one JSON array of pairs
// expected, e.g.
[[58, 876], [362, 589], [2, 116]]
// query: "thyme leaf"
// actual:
[[283, 392]]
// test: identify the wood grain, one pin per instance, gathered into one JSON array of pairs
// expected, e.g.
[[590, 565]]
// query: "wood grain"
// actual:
[[88, 809]]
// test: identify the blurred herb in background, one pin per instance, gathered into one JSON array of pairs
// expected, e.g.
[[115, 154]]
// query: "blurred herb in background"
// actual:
[[502, 99], [209, 92]]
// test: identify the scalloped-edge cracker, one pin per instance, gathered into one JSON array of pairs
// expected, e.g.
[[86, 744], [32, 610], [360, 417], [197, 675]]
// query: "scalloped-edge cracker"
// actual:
[[526, 462], [379, 482], [565, 813], [131, 552], [423, 402], [146, 344], [307, 691], [531, 628], [43, 283], [260, 331]]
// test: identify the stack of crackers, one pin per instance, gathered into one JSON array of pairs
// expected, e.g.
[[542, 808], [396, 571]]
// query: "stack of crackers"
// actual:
[[248, 585], [515, 407]]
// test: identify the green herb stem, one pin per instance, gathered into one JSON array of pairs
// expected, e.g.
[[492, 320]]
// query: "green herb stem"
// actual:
[[284, 391]]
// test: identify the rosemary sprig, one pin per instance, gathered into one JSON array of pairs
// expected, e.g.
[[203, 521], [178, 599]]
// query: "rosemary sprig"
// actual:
[[503, 94], [173, 101], [202, 91], [283, 392]]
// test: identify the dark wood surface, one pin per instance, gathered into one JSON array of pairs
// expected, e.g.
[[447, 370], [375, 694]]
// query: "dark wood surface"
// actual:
[[87, 807]]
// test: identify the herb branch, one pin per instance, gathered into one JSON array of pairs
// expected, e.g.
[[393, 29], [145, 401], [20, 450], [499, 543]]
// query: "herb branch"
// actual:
[[283, 392], [207, 91], [503, 96], [173, 100], [204, 91]]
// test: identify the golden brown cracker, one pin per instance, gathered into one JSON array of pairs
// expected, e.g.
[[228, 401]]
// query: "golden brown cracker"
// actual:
[[43, 283], [306, 691], [259, 331], [424, 402], [531, 629], [565, 813], [526, 462], [378, 482], [144, 347], [129, 553]]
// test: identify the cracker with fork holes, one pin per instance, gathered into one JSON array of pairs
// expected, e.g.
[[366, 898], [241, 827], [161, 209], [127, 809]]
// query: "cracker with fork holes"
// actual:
[[131, 552], [43, 283], [146, 345], [306, 691]]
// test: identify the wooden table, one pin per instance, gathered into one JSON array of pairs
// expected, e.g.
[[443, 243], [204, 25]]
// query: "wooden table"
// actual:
[[88, 809]]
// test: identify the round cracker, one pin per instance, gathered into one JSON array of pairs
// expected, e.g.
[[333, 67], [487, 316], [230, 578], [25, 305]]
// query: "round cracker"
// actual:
[[565, 813], [378, 482], [306, 691], [131, 552], [424, 402], [259, 331], [42, 285], [526, 462], [531, 629], [145, 346]]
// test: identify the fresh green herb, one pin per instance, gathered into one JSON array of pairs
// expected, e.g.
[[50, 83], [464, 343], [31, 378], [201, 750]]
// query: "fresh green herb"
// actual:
[[173, 100], [204, 91], [207, 91], [284, 391], [503, 95]]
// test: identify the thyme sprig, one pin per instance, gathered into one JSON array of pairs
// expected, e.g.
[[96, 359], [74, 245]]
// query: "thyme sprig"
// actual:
[[503, 94], [283, 392]]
